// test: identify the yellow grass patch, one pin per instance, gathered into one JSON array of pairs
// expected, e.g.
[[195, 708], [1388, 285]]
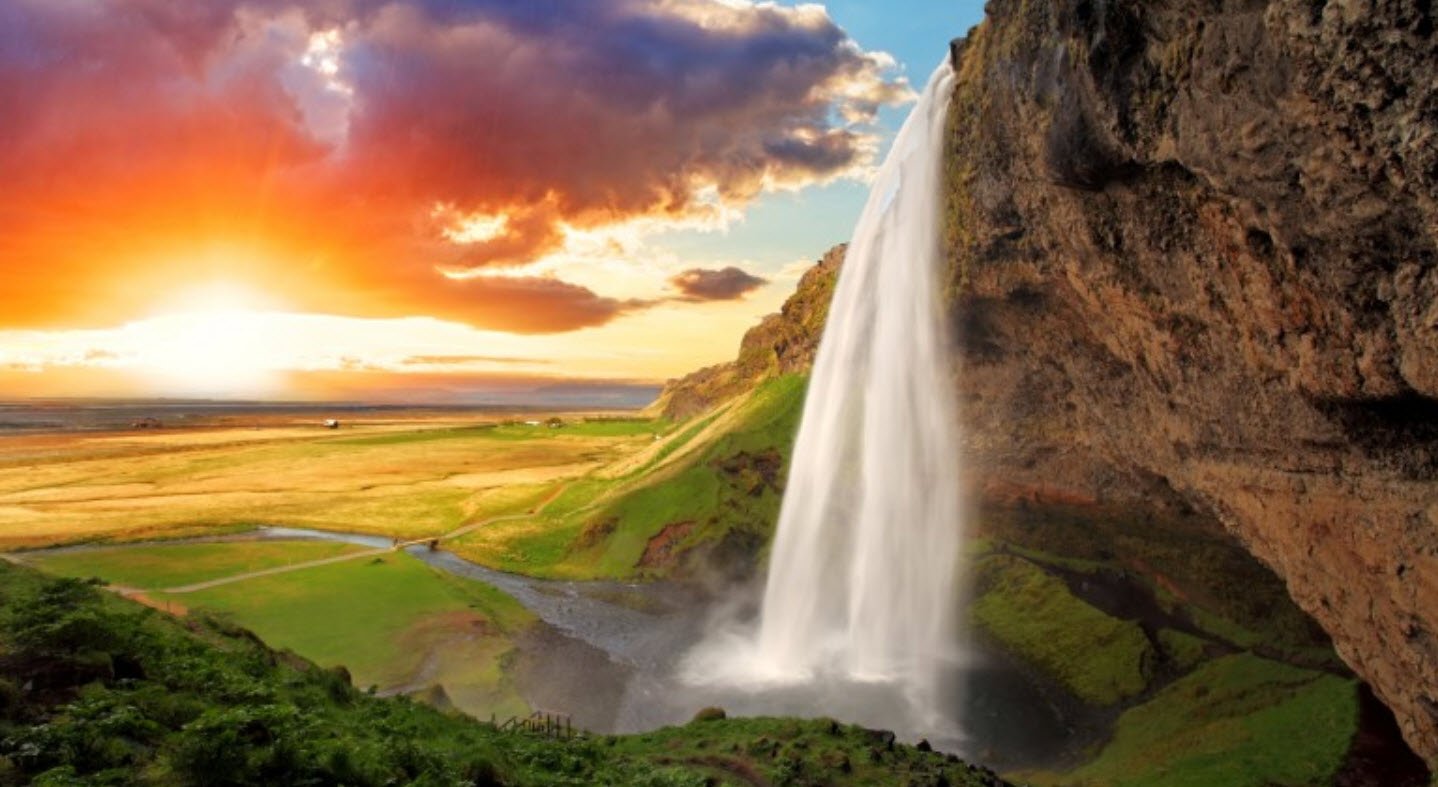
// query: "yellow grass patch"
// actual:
[[416, 479]]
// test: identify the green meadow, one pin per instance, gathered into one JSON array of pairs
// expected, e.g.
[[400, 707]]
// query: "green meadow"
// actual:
[[160, 566], [392, 621]]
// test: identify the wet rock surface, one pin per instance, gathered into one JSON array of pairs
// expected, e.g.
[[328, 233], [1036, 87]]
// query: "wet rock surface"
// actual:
[[1194, 265]]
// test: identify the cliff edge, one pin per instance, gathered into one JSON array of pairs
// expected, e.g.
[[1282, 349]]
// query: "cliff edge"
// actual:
[[782, 343]]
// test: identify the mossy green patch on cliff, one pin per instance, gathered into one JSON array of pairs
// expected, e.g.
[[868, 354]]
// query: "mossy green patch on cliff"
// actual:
[[1222, 718], [1101, 659], [1192, 568], [1239, 721], [1183, 651]]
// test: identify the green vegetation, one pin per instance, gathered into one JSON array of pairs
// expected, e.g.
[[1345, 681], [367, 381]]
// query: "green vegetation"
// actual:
[[1237, 721], [1102, 660], [391, 621], [1192, 568], [731, 488], [796, 752], [418, 436], [1194, 712], [1183, 651], [161, 566], [114, 693], [717, 481]]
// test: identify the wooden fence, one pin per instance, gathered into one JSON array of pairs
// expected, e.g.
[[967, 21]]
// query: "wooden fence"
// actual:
[[540, 722]]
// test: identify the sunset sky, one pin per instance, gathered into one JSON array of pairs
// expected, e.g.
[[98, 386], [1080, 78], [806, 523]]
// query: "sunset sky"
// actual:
[[371, 199]]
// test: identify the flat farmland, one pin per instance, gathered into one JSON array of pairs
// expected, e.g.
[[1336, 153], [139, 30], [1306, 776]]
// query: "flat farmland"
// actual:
[[395, 478]]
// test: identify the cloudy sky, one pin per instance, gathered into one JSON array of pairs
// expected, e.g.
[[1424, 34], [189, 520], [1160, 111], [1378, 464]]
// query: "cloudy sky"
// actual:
[[354, 198]]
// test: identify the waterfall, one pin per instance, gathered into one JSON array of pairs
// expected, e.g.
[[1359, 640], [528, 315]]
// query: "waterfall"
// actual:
[[862, 579]]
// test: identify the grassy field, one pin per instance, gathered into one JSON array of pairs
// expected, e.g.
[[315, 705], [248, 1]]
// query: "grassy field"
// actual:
[[407, 480], [584, 500], [392, 621], [159, 566]]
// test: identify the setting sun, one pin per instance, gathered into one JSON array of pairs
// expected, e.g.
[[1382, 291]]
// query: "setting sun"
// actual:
[[215, 339]]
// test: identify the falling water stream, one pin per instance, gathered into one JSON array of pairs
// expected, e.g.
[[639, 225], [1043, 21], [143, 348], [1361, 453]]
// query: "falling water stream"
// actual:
[[862, 583]]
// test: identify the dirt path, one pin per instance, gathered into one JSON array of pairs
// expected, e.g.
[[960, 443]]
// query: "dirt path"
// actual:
[[206, 585], [477, 525], [399, 545], [535, 511], [368, 553]]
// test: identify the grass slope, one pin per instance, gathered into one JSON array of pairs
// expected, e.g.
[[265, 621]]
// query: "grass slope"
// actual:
[[96, 690], [391, 621], [719, 477]]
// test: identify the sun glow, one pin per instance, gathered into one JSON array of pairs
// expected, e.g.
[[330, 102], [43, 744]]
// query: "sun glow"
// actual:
[[218, 339]]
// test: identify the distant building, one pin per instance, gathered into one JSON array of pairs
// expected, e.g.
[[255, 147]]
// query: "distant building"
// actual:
[[332, 423], [531, 423]]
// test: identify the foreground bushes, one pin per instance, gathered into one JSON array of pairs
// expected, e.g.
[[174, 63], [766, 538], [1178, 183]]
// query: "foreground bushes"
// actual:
[[98, 690]]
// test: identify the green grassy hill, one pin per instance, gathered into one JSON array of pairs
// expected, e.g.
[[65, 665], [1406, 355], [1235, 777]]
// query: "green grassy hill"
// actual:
[[96, 690], [705, 496]]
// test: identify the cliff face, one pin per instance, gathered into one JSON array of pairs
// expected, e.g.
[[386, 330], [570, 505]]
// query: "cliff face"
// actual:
[[1194, 250], [782, 343]]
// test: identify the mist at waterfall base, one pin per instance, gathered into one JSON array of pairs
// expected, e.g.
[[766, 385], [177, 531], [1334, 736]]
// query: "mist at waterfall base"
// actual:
[[858, 615]]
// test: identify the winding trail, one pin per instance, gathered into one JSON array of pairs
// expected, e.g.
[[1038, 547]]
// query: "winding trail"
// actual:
[[266, 572], [396, 547]]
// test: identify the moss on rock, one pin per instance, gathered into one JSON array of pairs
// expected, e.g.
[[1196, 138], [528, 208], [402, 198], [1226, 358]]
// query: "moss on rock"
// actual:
[[1101, 659]]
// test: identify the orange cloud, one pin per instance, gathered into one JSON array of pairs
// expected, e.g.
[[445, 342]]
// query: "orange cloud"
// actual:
[[331, 153]]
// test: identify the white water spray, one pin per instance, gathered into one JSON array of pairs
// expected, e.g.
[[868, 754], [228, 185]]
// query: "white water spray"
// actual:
[[863, 576]]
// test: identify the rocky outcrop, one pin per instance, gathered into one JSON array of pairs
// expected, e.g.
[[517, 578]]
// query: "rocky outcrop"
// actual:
[[1194, 250], [782, 343]]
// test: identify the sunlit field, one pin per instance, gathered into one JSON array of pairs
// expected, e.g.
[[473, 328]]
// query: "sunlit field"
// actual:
[[404, 479]]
